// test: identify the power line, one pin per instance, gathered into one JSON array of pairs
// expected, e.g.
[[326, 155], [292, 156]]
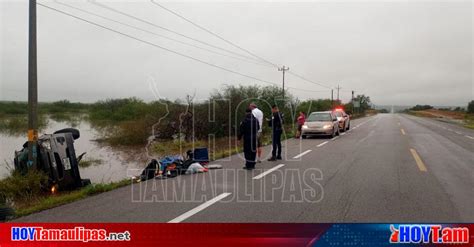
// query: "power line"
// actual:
[[229, 42], [156, 34], [167, 29], [212, 33], [312, 91], [158, 46], [301, 77], [164, 48], [338, 88]]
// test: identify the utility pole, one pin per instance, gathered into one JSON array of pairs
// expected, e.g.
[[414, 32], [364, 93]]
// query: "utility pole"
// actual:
[[332, 97], [338, 88], [283, 69], [352, 100], [32, 88]]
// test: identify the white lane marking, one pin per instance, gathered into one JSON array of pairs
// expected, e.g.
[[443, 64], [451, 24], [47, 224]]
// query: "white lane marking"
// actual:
[[450, 129], [301, 154], [457, 132], [199, 208], [268, 171], [354, 128], [342, 134], [470, 137], [334, 138], [322, 144]]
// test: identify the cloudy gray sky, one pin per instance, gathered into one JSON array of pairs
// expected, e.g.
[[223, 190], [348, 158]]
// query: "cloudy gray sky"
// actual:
[[401, 53]]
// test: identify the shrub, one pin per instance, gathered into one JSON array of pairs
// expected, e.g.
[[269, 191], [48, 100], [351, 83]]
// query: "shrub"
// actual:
[[470, 107], [18, 188], [118, 109], [421, 107]]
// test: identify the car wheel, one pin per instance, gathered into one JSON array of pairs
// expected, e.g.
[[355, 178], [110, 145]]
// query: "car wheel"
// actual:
[[74, 132], [303, 136]]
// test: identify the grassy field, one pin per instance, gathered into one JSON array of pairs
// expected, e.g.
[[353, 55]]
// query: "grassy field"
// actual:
[[466, 119], [28, 194], [469, 121]]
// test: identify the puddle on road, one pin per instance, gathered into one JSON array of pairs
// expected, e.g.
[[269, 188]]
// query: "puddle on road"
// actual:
[[114, 161]]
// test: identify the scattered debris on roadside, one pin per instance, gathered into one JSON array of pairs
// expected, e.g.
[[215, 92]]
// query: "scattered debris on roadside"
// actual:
[[197, 161]]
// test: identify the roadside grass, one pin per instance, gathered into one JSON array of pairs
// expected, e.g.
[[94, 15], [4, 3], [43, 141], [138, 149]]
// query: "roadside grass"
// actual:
[[18, 188], [50, 201], [467, 118], [29, 193], [469, 121]]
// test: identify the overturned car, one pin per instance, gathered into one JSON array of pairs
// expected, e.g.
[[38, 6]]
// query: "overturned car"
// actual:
[[57, 158]]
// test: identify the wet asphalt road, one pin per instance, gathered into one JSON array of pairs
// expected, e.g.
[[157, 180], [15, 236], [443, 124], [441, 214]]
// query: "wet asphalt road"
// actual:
[[387, 168]]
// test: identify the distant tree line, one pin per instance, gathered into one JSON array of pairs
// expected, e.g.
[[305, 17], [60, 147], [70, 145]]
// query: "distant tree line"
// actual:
[[131, 121], [469, 109], [421, 108]]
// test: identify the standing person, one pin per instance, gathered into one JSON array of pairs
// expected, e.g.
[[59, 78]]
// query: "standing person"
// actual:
[[248, 131], [258, 114], [300, 122], [277, 129]]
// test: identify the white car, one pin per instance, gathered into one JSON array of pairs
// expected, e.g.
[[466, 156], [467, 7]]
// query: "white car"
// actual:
[[320, 123]]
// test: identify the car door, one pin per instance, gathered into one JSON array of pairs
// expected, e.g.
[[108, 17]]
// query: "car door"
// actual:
[[346, 119]]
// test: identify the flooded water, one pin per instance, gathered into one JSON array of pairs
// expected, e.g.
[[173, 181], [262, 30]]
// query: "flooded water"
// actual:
[[115, 163]]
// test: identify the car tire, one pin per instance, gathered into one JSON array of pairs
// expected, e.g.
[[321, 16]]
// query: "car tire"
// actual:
[[74, 132], [303, 136]]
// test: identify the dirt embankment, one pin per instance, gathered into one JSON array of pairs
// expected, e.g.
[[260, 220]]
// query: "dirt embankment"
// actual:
[[467, 120], [435, 113]]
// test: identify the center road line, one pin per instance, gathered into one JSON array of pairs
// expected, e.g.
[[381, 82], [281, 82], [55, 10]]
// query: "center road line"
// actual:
[[470, 137], [334, 138], [301, 154], [322, 144], [403, 131], [342, 133], [418, 160], [199, 208], [457, 132], [268, 171]]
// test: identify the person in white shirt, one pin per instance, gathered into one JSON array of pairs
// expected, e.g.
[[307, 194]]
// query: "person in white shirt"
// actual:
[[258, 114]]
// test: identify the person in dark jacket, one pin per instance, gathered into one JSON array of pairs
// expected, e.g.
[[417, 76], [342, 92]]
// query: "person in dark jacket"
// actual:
[[277, 129], [248, 132]]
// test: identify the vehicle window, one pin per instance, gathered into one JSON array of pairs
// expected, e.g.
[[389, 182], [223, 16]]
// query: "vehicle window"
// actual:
[[338, 114], [319, 117]]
